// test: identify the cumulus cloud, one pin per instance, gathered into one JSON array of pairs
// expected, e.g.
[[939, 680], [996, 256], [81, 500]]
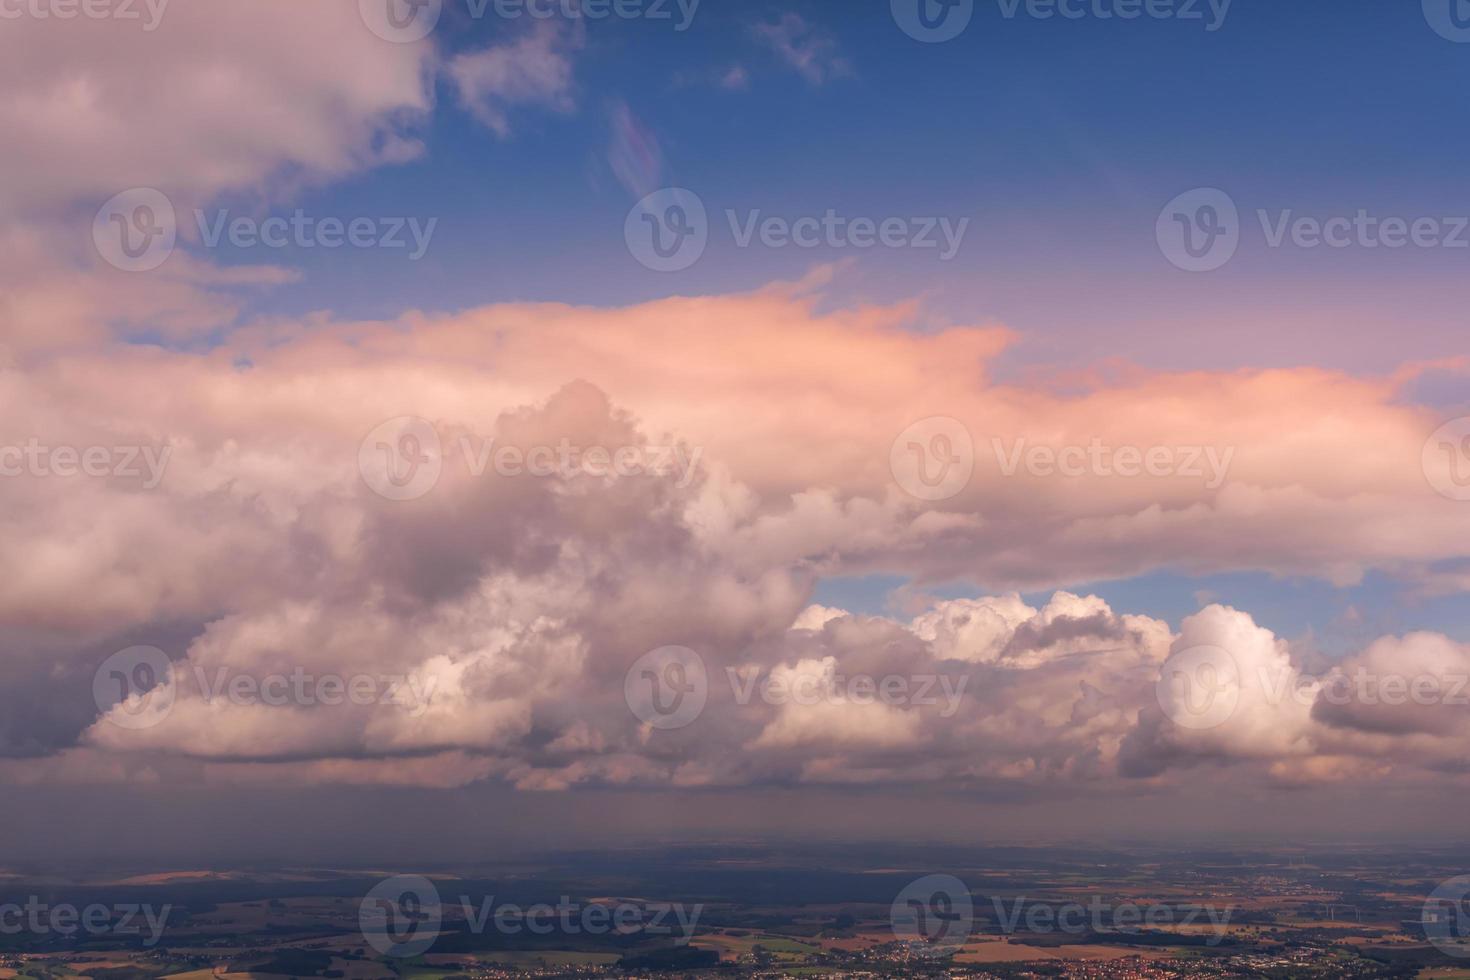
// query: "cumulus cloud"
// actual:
[[512, 605], [1232, 692], [815, 616], [1229, 691], [484, 628], [1413, 684]]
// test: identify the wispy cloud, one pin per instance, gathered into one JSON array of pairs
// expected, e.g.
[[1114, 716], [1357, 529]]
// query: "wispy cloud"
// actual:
[[634, 155], [813, 54], [534, 70], [732, 78], [736, 79]]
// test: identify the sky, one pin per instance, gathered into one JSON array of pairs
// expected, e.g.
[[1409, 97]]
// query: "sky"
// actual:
[[1041, 359], [1059, 139]]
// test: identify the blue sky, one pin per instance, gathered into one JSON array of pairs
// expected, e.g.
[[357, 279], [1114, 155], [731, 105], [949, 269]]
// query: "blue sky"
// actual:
[[1058, 139], [1335, 620]]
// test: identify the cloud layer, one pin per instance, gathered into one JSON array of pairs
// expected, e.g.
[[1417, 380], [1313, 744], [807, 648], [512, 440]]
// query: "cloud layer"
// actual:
[[389, 508], [506, 601]]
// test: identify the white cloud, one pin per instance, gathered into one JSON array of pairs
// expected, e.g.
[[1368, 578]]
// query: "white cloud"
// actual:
[[533, 70], [218, 97]]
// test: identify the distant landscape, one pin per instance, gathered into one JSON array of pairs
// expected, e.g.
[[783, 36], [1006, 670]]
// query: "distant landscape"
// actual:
[[747, 911]]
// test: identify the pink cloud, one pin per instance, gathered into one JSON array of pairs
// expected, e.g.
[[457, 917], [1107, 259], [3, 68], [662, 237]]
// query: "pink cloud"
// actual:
[[521, 601]]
